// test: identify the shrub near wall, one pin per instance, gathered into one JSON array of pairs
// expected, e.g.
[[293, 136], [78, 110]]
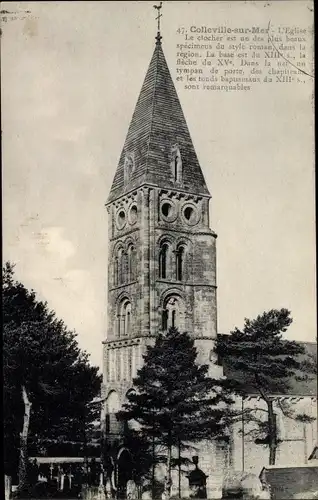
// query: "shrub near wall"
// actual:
[[245, 486]]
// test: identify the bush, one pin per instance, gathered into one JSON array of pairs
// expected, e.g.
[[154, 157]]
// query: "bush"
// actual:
[[243, 485]]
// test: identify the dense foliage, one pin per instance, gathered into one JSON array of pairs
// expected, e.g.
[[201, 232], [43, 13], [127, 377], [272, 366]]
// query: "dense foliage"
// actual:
[[262, 362], [175, 401], [44, 366]]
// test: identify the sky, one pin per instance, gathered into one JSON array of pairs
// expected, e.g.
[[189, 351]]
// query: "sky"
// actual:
[[71, 74]]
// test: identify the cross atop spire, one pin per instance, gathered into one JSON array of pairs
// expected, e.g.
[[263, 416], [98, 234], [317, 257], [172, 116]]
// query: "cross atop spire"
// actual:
[[158, 37]]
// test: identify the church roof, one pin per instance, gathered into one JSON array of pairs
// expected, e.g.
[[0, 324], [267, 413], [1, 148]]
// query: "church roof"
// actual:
[[297, 387], [158, 124], [314, 454]]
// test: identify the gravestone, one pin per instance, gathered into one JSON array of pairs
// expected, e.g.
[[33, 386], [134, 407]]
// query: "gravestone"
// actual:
[[197, 481], [7, 486], [93, 492]]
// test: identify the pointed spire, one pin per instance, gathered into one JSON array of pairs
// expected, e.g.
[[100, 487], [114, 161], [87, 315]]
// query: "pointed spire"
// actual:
[[157, 134]]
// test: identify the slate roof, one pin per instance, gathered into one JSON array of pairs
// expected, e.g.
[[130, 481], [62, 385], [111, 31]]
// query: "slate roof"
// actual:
[[157, 124], [297, 387], [291, 482]]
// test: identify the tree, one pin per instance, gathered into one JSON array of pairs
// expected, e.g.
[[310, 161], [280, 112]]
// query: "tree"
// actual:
[[269, 363], [48, 380], [175, 401]]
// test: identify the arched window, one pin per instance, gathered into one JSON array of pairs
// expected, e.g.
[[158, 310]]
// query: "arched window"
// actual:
[[113, 402], [131, 263], [125, 319], [180, 254], [128, 325], [172, 313], [163, 259], [121, 267]]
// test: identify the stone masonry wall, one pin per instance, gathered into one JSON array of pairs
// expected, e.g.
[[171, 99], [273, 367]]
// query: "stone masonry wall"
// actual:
[[297, 439]]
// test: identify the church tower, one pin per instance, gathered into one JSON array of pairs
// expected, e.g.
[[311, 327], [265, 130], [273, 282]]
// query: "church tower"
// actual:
[[162, 252]]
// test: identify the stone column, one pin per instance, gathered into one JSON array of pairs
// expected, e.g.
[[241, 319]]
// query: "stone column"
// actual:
[[152, 261], [106, 365], [133, 361], [129, 362], [122, 351], [214, 283], [205, 211], [145, 275], [110, 221], [111, 364]]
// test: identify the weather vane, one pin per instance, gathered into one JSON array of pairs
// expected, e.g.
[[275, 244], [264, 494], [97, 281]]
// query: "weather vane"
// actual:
[[158, 7]]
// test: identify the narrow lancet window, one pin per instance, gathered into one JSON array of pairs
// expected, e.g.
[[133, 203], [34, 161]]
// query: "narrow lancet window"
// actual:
[[131, 263], [172, 314], [127, 322], [165, 320], [125, 319], [173, 318], [163, 256], [176, 164], [120, 267], [176, 168], [180, 263]]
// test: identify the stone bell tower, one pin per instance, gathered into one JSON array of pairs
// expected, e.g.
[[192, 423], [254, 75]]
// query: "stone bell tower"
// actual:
[[162, 252]]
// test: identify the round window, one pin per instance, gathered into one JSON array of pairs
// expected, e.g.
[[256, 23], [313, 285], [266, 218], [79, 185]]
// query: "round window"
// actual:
[[121, 219], [133, 214], [168, 210], [191, 215]]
